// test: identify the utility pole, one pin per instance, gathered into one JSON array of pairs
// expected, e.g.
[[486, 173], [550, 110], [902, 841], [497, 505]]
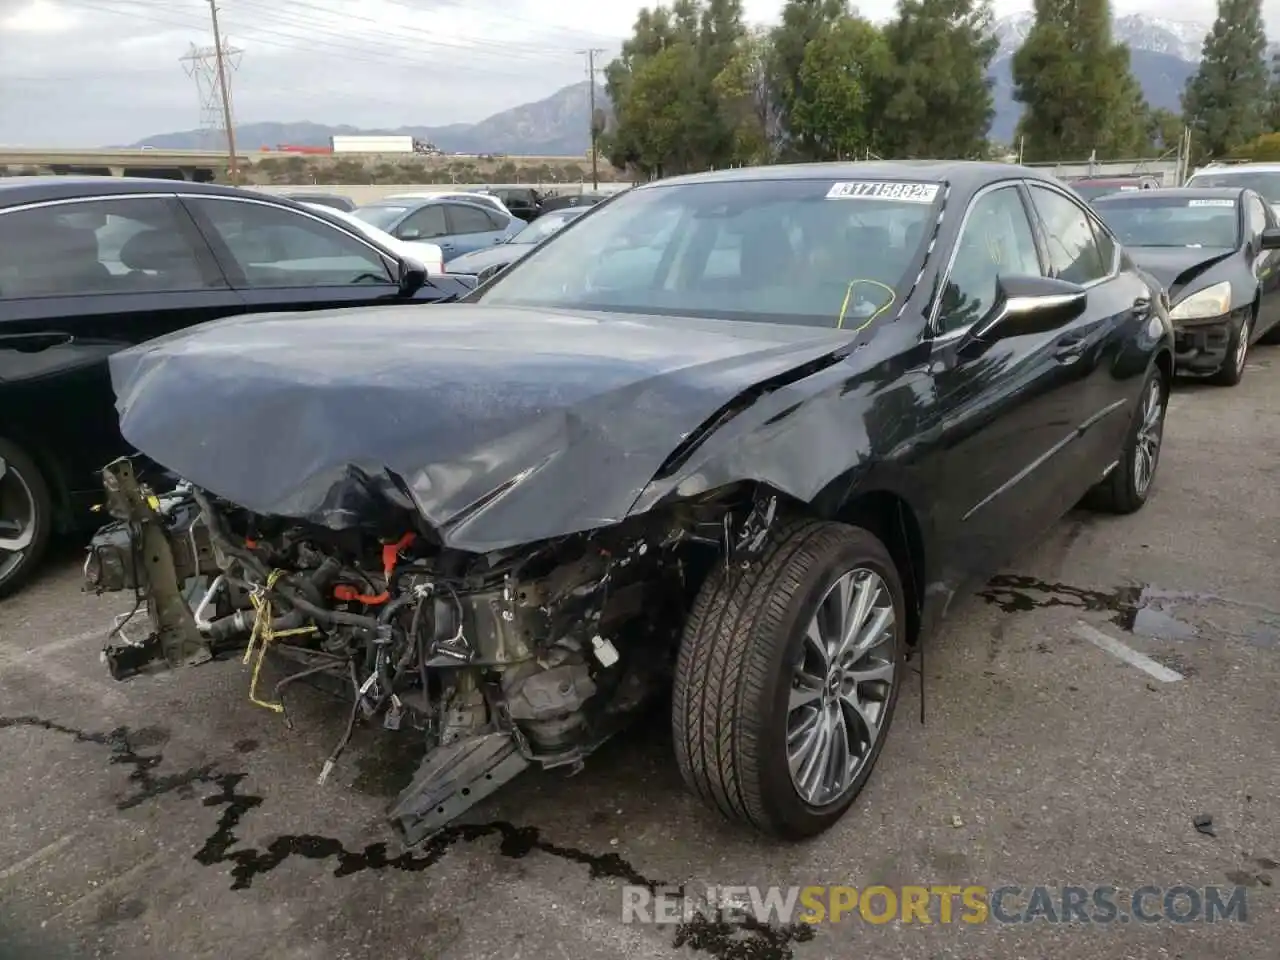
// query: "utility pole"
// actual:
[[591, 77], [232, 161]]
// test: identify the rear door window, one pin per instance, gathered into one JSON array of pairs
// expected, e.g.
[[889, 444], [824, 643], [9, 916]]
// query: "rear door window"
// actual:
[[465, 219], [125, 245]]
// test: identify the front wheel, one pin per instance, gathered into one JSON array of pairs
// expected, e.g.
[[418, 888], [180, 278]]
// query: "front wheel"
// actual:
[[1232, 370], [26, 515], [787, 679], [1126, 488]]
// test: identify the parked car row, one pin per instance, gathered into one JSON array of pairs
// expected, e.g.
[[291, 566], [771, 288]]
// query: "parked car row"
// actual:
[[823, 399], [1215, 251]]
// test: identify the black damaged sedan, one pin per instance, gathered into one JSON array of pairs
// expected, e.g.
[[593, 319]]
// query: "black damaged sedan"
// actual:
[[741, 437], [1217, 253]]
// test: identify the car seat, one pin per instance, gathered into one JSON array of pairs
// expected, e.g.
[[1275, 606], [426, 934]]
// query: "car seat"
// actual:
[[159, 260], [55, 259]]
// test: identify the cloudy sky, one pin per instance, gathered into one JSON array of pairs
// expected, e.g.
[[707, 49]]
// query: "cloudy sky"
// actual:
[[96, 72]]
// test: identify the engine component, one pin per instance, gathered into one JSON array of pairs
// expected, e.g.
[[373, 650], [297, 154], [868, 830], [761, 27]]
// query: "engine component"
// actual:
[[175, 636], [548, 704], [528, 655]]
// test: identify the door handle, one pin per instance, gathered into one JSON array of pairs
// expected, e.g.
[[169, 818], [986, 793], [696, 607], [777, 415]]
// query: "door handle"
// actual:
[[1070, 348], [34, 342]]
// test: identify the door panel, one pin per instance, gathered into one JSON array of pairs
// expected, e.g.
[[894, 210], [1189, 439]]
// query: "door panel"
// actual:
[[1081, 250], [282, 259], [78, 281], [470, 228], [1004, 421], [54, 378], [1266, 264]]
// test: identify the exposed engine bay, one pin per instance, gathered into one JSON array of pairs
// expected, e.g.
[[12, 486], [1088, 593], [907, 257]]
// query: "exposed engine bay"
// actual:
[[533, 655]]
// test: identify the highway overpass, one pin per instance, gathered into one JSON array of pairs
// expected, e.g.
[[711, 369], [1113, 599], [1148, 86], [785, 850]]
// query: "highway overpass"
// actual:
[[198, 165]]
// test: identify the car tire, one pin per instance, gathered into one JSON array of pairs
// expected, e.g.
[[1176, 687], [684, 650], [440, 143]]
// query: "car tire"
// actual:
[[732, 713], [1232, 370], [1127, 487], [27, 506]]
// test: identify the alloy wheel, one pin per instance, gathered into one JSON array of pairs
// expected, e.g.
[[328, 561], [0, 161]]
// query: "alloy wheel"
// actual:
[[840, 687], [1242, 344], [17, 518], [1146, 452]]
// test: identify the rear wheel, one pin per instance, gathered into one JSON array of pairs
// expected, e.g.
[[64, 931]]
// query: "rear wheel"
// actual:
[[1126, 488], [787, 679], [26, 516], [1232, 369]]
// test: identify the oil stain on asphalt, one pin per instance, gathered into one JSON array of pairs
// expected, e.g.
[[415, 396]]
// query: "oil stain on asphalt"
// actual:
[[749, 939], [1142, 610]]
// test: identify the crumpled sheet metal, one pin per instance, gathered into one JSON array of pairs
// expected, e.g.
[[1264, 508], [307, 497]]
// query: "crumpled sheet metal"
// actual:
[[506, 425]]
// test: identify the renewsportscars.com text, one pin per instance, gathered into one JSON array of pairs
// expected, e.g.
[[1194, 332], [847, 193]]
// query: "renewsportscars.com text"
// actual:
[[939, 904]]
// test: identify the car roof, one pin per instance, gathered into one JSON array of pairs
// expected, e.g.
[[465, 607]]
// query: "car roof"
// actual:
[[1188, 193], [963, 174], [1259, 167], [407, 203], [17, 191]]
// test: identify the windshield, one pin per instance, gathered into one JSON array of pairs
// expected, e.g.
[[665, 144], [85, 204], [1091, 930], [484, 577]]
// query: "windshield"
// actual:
[[1265, 183], [1172, 221], [808, 252], [544, 226], [380, 216]]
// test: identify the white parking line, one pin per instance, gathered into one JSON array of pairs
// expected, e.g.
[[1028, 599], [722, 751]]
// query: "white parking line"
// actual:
[[1126, 653]]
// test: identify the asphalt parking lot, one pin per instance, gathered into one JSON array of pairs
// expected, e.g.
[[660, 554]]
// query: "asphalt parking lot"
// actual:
[[169, 817]]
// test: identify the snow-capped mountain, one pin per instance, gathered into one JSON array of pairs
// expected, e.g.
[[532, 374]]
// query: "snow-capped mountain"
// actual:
[[1177, 38]]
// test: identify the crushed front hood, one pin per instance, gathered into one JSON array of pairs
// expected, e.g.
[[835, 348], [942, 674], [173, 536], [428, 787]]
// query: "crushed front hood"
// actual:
[[505, 425], [1175, 267]]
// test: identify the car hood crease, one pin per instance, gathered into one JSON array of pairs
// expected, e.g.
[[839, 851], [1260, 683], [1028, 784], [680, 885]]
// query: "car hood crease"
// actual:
[[499, 426], [1177, 267]]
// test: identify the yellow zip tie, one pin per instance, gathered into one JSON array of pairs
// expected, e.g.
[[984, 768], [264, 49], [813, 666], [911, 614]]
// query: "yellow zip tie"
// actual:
[[261, 636], [844, 306]]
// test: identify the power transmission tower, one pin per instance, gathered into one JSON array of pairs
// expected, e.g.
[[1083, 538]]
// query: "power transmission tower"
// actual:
[[595, 121], [211, 67]]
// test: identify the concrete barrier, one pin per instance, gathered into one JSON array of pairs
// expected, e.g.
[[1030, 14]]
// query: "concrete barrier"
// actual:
[[363, 193]]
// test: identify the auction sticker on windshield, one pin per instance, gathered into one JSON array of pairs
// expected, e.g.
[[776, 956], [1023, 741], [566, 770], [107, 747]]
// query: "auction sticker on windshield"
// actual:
[[879, 190], [1211, 203]]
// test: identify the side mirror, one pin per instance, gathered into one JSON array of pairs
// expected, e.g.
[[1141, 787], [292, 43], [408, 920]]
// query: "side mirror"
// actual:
[[1026, 305], [409, 233], [1271, 238], [413, 276]]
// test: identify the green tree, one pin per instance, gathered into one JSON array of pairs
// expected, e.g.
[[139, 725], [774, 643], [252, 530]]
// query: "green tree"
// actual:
[[1164, 129], [1225, 101], [938, 102], [667, 112], [843, 66], [802, 21], [745, 96], [1078, 94], [1273, 109]]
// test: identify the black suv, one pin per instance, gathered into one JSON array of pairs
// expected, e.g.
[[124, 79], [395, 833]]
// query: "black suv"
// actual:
[[523, 202], [90, 265]]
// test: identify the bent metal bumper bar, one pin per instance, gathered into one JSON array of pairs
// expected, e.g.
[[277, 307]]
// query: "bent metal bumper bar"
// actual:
[[174, 636]]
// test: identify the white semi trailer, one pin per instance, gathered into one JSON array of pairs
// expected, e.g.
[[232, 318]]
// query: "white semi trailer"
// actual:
[[376, 144]]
